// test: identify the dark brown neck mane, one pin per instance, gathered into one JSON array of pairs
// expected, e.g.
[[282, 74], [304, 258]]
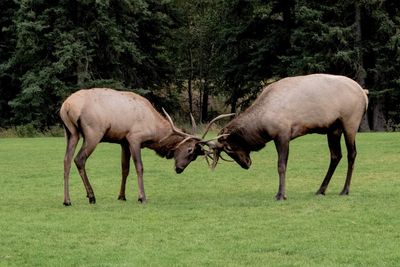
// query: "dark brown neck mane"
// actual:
[[243, 134], [166, 147]]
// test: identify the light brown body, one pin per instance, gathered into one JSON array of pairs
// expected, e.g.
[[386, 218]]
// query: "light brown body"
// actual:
[[106, 115], [295, 106]]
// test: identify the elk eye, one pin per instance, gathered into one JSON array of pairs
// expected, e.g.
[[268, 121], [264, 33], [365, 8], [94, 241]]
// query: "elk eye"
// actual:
[[190, 150], [228, 148]]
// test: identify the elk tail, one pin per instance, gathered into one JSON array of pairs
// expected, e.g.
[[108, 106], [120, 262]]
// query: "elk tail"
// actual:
[[366, 93], [71, 126]]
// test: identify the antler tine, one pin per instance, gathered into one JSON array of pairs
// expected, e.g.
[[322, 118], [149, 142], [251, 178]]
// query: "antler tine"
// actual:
[[176, 130], [208, 163], [183, 141], [194, 126], [215, 138], [206, 156], [227, 160], [215, 159], [214, 120], [170, 121]]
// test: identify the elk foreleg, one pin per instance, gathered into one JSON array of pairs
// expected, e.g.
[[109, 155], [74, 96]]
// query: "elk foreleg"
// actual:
[[336, 155], [136, 155], [282, 147], [125, 162]]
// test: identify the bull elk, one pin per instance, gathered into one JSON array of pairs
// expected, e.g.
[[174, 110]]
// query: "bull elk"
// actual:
[[292, 107], [125, 118]]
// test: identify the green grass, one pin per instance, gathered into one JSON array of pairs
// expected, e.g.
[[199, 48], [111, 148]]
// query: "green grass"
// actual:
[[201, 218]]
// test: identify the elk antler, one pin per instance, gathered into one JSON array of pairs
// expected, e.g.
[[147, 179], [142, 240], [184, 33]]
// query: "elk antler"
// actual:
[[215, 151], [183, 141], [194, 126], [215, 158], [207, 154], [209, 143], [177, 131], [214, 120]]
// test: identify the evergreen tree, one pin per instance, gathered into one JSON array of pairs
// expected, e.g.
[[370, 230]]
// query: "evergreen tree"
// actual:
[[65, 45], [196, 51], [355, 39], [219, 47], [252, 36], [8, 87]]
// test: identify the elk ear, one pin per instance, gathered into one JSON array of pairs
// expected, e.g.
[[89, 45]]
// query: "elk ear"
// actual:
[[199, 150], [219, 146], [170, 154]]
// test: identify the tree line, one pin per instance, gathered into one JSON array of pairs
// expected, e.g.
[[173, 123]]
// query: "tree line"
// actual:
[[183, 52]]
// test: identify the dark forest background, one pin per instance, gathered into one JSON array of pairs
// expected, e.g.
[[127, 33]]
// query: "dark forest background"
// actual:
[[191, 55]]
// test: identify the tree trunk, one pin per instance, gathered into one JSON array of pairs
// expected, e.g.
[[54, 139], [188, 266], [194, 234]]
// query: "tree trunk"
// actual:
[[360, 71], [378, 118], [204, 104], [190, 81], [82, 74], [234, 100], [364, 125], [82, 64], [200, 101]]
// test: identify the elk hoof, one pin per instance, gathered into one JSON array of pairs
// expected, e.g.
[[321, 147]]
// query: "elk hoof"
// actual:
[[67, 203], [320, 192], [142, 200], [344, 193], [92, 200], [122, 198], [280, 196]]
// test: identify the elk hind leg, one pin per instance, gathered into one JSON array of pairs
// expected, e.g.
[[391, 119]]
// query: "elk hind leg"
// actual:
[[350, 137], [336, 155], [88, 146], [72, 141]]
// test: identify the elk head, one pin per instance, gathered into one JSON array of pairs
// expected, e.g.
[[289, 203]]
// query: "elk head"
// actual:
[[233, 145], [186, 153], [186, 150]]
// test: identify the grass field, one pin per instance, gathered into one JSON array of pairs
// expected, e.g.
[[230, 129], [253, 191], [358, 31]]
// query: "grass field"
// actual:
[[223, 218]]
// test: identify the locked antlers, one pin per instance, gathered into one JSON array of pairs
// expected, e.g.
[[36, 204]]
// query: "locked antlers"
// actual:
[[212, 152]]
